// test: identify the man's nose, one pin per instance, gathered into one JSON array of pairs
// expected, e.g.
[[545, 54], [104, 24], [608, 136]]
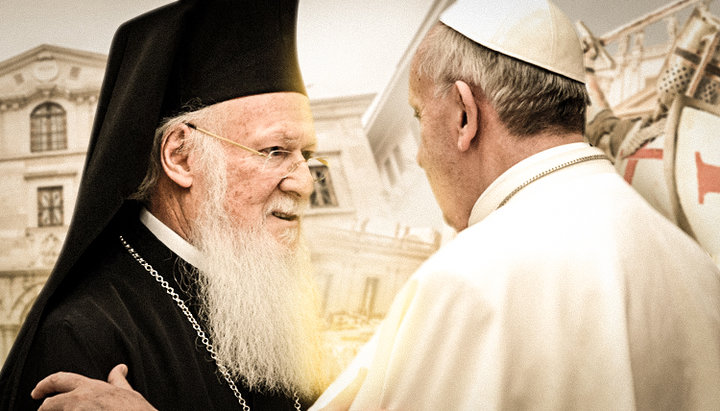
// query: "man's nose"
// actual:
[[298, 180]]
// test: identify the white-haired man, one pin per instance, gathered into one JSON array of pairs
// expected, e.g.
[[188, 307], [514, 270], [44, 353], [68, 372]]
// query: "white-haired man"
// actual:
[[564, 289]]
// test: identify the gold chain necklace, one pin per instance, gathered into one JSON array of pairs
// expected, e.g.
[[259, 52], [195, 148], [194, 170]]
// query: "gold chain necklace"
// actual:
[[550, 171], [195, 325]]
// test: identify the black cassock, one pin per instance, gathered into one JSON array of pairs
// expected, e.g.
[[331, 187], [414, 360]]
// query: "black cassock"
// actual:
[[99, 307], [114, 312]]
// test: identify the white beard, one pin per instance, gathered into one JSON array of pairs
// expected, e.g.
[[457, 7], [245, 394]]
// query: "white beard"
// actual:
[[259, 303]]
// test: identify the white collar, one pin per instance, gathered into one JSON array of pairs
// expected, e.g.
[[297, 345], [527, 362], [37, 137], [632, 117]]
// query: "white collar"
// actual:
[[171, 239], [519, 173]]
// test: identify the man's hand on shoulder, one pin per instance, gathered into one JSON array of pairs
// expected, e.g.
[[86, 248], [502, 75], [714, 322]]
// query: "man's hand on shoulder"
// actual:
[[69, 391]]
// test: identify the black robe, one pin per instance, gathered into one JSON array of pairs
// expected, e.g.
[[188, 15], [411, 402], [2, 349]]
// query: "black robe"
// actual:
[[99, 307], [114, 311]]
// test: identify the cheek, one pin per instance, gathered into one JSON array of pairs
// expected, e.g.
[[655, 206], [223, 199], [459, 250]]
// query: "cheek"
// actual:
[[248, 197], [429, 157], [239, 197], [422, 152]]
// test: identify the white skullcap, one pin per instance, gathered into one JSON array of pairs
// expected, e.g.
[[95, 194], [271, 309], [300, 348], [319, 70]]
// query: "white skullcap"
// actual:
[[534, 31]]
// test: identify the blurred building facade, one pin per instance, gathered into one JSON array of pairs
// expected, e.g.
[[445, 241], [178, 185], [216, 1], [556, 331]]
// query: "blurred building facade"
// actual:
[[48, 97]]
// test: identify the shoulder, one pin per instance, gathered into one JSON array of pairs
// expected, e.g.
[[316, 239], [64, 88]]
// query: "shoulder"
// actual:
[[105, 293], [92, 311], [528, 238], [472, 263]]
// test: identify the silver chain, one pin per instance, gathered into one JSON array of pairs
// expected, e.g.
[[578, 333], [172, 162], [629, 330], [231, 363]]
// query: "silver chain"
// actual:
[[191, 318], [550, 171]]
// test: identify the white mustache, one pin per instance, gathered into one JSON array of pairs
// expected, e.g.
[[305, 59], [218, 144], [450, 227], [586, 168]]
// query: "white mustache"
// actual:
[[287, 205]]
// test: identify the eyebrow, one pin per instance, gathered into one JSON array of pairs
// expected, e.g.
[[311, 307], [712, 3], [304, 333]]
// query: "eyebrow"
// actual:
[[287, 140]]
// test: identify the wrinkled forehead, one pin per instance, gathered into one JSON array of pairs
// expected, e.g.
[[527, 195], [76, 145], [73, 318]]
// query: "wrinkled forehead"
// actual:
[[285, 114]]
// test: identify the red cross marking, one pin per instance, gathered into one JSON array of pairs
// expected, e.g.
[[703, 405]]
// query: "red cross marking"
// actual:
[[641, 154], [708, 178]]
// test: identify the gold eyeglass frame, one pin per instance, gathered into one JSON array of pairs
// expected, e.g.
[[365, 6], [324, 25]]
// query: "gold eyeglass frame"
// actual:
[[293, 166]]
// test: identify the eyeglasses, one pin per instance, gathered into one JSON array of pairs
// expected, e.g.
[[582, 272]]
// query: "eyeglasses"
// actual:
[[278, 160]]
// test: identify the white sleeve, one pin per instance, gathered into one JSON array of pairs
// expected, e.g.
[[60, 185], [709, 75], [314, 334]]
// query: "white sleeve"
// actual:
[[362, 360]]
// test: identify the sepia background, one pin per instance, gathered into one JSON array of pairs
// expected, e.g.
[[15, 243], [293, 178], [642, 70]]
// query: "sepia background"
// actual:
[[371, 223]]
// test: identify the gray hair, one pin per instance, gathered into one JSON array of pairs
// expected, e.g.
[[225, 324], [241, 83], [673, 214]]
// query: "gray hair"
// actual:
[[528, 99], [209, 153]]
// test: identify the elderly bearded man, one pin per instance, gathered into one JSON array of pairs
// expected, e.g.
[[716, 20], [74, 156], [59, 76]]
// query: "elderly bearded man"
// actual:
[[199, 280], [564, 289]]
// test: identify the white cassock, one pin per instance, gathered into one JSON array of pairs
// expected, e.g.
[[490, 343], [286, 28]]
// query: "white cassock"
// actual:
[[576, 294]]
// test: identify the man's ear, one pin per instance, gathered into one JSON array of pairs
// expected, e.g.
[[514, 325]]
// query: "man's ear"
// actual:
[[175, 158], [468, 127]]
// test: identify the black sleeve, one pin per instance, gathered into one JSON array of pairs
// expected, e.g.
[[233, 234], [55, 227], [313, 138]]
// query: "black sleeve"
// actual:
[[65, 344]]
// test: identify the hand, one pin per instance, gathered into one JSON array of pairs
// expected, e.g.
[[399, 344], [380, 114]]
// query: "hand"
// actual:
[[76, 392]]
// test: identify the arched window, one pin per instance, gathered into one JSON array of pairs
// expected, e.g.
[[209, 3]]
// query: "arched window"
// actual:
[[47, 128]]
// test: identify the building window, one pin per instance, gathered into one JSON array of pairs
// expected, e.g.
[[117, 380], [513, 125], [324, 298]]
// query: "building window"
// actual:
[[324, 193], [50, 206], [47, 128]]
